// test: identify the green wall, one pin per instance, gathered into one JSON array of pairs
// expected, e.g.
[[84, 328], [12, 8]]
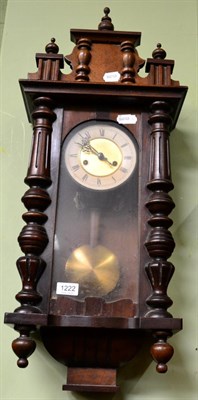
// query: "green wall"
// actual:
[[29, 26]]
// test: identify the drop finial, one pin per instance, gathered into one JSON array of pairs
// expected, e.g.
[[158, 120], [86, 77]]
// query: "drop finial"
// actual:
[[159, 52], [106, 23]]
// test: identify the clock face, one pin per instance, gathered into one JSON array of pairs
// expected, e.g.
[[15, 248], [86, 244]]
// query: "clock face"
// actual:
[[100, 155]]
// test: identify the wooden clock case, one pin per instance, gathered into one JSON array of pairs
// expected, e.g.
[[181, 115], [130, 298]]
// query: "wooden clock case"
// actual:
[[94, 337]]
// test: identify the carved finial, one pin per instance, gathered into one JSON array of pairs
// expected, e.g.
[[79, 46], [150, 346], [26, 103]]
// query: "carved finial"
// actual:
[[159, 52], [162, 351], [52, 47], [106, 23]]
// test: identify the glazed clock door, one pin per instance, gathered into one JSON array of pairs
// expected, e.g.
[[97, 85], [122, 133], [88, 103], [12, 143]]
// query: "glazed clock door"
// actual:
[[96, 216]]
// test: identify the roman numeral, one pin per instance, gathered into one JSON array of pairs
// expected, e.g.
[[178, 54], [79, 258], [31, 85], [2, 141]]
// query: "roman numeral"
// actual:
[[85, 135], [124, 170], [75, 167], [102, 132], [73, 155], [114, 136], [85, 177], [98, 182]]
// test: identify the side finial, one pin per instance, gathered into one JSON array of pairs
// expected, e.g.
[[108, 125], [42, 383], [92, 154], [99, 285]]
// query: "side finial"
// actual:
[[106, 23], [52, 47], [159, 52]]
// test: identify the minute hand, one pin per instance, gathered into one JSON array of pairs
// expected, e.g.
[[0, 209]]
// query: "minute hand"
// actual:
[[100, 155]]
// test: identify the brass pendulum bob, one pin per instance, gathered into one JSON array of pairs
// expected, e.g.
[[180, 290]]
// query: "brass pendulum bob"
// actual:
[[93, 266]]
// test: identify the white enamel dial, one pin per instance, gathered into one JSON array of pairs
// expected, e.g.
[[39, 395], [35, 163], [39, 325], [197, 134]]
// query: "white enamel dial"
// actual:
[[100, 155]]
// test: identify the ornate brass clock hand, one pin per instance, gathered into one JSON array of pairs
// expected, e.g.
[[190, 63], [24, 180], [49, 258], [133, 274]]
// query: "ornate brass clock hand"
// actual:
[[100, 161], [88, 147]]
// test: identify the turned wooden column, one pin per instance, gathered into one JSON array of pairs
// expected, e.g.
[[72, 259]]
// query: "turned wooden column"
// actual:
[[84, 57], [160, 243], [33, 238], [128, 71]]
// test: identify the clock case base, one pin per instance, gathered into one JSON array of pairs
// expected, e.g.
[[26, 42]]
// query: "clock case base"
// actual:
[[93, 348]]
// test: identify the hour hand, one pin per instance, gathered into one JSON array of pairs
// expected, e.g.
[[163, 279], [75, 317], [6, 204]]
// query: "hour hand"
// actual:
[[87, 147]]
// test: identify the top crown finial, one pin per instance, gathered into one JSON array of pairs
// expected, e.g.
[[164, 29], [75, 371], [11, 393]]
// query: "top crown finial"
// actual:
[[159, 52], [52, 47], [106, 23]]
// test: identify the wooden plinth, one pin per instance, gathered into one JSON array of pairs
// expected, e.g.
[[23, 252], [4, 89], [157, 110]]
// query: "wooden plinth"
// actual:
[[91, 380]]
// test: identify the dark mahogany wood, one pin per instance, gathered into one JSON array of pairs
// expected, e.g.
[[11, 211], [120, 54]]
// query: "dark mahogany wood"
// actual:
[[94, 378], [84, 57], [128, 71], [160, 243], [93, 337]]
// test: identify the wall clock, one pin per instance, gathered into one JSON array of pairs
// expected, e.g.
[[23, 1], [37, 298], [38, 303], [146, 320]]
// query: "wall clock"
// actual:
[[96, 242]]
